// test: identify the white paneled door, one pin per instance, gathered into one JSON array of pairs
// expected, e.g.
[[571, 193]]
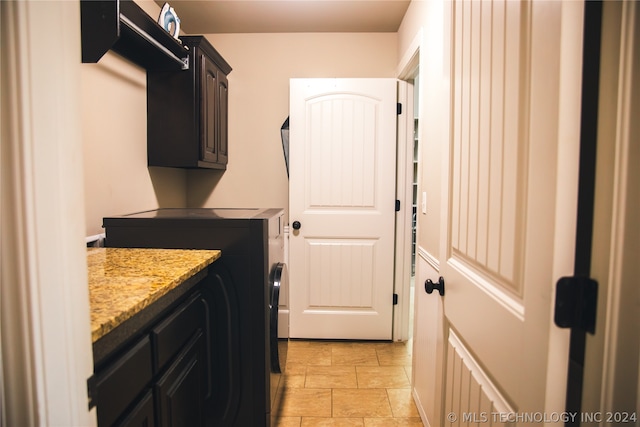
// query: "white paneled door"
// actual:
[[511, 192], [341, 195]]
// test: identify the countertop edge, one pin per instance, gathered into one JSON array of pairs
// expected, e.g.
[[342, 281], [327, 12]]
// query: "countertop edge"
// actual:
[[107, 279], [136, 324]]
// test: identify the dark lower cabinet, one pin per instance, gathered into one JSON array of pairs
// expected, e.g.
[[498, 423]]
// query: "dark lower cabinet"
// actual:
[[142, 415], [120, 382], [163, 375], [181, 390]]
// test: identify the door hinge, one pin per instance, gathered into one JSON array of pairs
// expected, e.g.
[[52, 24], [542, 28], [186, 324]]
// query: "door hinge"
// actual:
[[399, 108], [395, 299], [576, 303], [397, 205], [92, 391]]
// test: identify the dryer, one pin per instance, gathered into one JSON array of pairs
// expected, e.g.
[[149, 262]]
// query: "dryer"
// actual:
[[251, 317]]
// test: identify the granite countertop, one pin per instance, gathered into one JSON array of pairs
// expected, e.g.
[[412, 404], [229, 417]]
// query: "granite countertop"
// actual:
[[122, 282]]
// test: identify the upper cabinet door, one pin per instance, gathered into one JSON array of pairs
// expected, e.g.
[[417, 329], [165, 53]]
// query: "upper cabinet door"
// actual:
[[223, 118], [187, 111], [209, 111]]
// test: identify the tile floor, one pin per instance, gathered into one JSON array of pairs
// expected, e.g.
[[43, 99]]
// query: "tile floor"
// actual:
[[363, 384]]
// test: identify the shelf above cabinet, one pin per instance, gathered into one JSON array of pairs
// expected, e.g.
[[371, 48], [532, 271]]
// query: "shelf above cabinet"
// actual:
[[122, 26]]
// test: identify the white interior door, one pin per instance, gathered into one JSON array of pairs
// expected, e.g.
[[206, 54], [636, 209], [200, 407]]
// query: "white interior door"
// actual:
[[342, 190], [510, 197]]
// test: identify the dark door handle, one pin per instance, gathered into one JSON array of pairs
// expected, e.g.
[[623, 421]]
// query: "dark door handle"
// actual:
[[429, 286], [296, 225]]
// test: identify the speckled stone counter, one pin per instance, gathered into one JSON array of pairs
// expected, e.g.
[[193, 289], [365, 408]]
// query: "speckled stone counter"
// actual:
[[123, 282]]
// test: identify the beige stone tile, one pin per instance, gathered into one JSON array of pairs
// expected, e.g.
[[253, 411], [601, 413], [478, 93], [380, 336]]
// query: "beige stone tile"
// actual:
[[361, 403], [331, 377], [352, 354], [295, 369], [402, 403], [298, 344], [294, 381], [382, 377], [356, 345], [408, 345], [396, 353], [299, 402], [295, 375], [346, 384], [393, 422], [309, 355], [332, 422], [286, 421], [407, 369]]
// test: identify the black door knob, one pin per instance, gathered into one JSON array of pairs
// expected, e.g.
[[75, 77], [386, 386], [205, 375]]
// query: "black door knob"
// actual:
[[296, 225], [429, 286]]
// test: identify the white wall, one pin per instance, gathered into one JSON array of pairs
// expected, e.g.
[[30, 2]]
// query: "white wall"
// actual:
[[114, 129], [114, 133], [117, 179], [259, 104], [426, 19], [424, 27], [44, 308]]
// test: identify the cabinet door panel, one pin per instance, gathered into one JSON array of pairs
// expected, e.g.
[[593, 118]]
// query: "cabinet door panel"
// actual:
[[142, 415], [187, 111], [119, 384], [181, 390], [209, 110], [172, 333], [226, 380], [223, 118]]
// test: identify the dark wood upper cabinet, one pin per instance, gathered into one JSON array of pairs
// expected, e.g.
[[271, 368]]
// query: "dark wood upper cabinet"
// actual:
[[187, 86], [187, 111]]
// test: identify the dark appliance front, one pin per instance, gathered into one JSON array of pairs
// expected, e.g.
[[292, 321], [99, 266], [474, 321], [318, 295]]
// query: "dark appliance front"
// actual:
[[248, 357]]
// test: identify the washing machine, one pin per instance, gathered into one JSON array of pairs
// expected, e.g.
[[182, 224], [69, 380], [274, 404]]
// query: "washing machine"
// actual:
[[250, 319]]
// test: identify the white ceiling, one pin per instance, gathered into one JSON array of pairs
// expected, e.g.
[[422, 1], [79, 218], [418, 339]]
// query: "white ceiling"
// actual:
[[288, 16]]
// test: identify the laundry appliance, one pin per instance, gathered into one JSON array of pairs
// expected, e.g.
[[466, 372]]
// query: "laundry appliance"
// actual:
[[250, 324]]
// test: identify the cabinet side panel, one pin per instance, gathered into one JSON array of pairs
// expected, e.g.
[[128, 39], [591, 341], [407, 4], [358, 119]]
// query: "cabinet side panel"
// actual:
[[171, 129]]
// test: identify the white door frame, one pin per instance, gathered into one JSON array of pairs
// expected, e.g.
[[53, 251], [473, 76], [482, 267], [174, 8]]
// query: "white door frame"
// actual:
[[404, 178], [622, 343], [612, 357], [407, 69], [46, 338]]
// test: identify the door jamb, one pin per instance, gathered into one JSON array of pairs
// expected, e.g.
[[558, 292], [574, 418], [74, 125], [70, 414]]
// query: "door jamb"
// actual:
[[403, 225], [407, 70]]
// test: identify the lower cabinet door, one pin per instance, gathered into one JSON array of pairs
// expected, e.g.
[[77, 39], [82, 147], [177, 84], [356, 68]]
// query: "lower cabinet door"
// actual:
[[143, 413], [181, 391], [120, 383]]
